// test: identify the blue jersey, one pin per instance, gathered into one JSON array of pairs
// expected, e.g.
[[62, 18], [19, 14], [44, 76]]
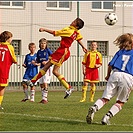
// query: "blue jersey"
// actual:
[[123, 61], [31, 70], [43, 55]]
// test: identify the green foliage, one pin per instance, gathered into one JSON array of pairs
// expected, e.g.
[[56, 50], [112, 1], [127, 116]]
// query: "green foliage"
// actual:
[[59, 114]]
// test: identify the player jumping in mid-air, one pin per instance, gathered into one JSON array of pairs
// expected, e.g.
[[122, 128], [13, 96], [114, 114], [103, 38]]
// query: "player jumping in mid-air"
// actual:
[[119, 82], [68, 35]]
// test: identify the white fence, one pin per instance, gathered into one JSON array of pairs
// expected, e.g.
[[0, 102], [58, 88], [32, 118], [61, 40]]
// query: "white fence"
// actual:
[[71, 69]]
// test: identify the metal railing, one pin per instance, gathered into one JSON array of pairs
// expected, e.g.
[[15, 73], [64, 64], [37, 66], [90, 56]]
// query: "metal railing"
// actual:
[[68, 69]]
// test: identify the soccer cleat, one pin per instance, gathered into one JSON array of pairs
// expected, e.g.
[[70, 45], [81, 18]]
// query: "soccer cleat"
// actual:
[[43, 101], [83, 100], [1, 107], [32, 101], [68, 93], [105, 120], [90, 116], [24, 100]]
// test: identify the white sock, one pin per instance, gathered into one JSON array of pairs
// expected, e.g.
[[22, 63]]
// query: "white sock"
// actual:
[[26, 93], [44, 94], [99, 103], [32, 96], [115, 109]]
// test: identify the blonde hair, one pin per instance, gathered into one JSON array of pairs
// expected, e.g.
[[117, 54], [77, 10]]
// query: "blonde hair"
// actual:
[[31, 44], [123, 40]]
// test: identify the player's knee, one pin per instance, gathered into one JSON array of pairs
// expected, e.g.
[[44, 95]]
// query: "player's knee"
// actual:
[[105, 100], [120, 103], [2, 87], [55, 73]]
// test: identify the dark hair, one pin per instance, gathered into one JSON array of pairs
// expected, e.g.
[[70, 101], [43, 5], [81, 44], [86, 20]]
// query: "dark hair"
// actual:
[[31, 44], [42, 40], [93, 41], [4, 36], [80, 23]]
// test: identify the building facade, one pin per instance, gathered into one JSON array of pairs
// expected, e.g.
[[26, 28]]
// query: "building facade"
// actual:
[[25, 18]]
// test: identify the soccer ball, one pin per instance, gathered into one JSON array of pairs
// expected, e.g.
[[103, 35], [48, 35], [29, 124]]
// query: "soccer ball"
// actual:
[[111, 18]]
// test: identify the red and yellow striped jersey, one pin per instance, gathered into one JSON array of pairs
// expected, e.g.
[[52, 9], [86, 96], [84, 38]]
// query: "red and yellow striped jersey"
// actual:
[[68, 35], [91, 58]]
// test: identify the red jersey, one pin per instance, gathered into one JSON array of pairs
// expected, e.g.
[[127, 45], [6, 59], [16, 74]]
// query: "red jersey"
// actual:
[[7, 57], [68, 35]]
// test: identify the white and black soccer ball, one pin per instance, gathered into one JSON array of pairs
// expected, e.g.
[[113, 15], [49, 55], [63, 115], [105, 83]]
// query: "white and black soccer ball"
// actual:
[[111, 18]]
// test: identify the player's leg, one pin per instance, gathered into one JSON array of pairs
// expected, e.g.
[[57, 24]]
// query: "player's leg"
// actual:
[[113, 111], [84, 90], [94, 76], [42, 72], [32, 95], [45, 80], [25, 90], [45, 94], [3, 84], [123, 92], [62, 79], [2, 90], [108, 93], [93, 109], [44, 90], [92, 91]]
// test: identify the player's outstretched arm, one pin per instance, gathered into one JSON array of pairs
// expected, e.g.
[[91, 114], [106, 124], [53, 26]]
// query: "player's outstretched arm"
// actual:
[[46, 30], [82, 45]]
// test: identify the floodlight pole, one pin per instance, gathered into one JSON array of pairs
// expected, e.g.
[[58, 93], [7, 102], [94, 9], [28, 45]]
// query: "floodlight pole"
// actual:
[[31, 27], [78, 52]]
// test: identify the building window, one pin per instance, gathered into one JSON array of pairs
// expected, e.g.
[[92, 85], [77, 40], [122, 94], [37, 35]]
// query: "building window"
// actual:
[[53, 45], [11, 4], [102, 47], [103, 6], [17, 45], [59, 5]]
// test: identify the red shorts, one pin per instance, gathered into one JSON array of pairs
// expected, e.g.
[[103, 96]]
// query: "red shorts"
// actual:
[[59, 56], [3, 81], [91, 75]]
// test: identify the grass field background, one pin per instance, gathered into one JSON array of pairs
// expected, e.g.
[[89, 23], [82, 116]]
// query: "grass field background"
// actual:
[[59, 114]]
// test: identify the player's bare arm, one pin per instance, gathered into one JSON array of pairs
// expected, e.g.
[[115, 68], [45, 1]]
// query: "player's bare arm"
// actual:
[[46, 30], [24, 65], [108, 72], [83, 69], [82, 45], [44, 62], [98, 65], [35, 63]]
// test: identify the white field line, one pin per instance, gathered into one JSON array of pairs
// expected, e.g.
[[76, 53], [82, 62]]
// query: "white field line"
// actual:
[[58, 118]]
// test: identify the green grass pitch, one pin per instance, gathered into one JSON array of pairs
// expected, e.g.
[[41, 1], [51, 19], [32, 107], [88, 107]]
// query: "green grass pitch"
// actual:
[[59, 114]]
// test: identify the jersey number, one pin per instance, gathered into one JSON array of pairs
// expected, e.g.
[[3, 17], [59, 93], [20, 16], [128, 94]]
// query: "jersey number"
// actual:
[[2, 54], [125, 58]]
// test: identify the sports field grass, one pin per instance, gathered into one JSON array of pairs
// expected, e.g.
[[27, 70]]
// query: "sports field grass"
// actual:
[[59, 114]]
